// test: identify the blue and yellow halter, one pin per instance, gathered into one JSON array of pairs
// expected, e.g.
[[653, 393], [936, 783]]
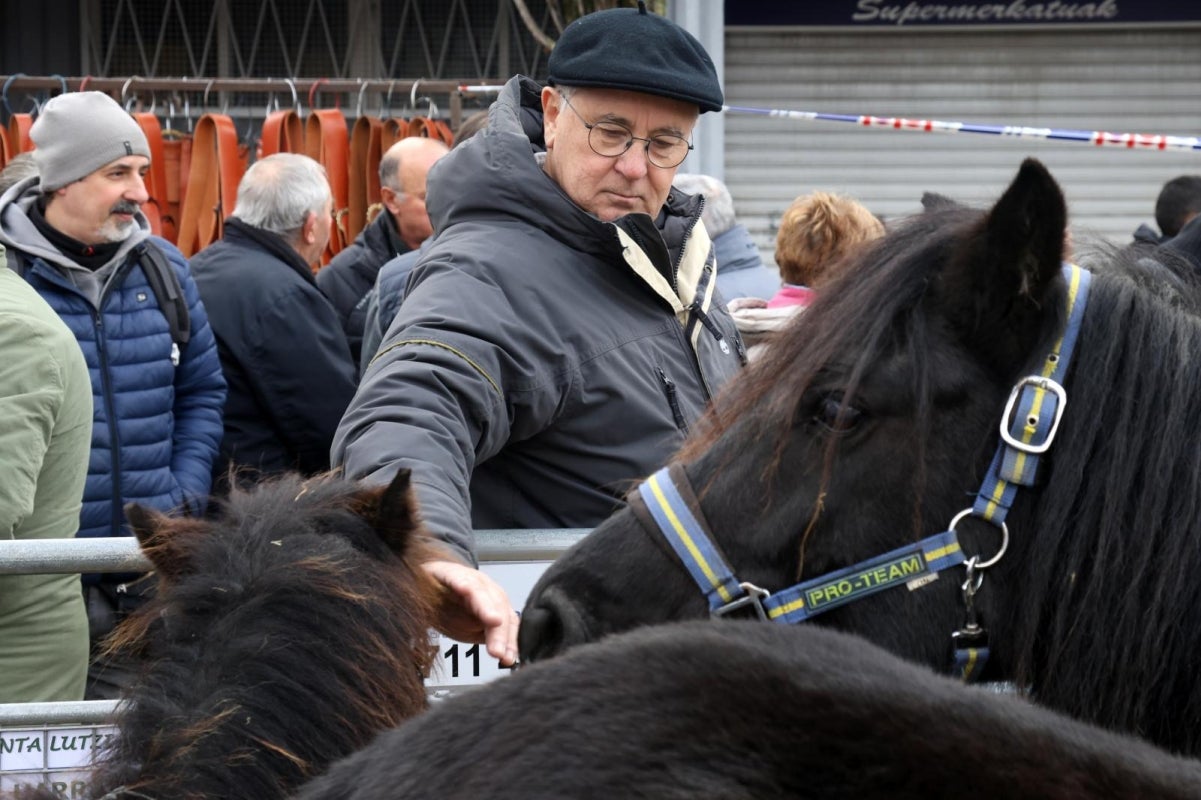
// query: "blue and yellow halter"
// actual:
[[666, 503]]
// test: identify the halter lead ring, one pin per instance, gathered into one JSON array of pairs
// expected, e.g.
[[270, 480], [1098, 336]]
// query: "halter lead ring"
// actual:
[[982, 565]]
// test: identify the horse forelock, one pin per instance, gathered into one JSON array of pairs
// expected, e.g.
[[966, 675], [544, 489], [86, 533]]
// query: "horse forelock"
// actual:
[[292, 640], [874, 308]]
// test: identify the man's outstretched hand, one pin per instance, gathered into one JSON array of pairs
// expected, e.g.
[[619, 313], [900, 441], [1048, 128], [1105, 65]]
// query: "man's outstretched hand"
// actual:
[[475, 608]]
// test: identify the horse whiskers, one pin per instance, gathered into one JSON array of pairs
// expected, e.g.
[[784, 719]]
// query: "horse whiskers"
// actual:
[[818, 508]]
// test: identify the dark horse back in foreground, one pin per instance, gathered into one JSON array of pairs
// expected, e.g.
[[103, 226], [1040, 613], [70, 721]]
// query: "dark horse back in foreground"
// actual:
[[284, 635], [747, 711], [873, 423]]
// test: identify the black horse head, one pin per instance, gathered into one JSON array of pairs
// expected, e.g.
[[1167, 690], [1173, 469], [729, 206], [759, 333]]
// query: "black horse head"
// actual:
[[871, 425]]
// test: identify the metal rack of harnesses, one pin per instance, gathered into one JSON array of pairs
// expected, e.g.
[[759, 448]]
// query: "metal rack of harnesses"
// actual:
[[205, 132]]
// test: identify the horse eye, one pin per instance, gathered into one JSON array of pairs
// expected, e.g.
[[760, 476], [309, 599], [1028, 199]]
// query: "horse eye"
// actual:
[[836, 416]]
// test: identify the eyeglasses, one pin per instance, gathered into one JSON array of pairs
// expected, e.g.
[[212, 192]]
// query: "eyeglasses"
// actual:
[[611, 140]]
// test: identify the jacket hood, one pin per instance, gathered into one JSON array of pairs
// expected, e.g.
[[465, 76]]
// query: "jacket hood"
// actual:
[[1187, 243], [736, 250], [1147, 235], [499, 170], [18, 231]]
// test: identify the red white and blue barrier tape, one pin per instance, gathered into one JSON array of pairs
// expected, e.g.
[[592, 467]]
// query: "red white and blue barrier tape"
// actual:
[[1130, 141]]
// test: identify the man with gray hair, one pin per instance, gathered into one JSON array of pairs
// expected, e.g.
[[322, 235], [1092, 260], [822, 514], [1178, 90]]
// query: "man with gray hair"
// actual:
[[284, 354], [561, 333], [399, 228], [75, 232]]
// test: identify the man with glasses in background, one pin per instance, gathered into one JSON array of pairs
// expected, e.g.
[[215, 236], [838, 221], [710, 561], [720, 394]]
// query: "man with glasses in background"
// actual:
[[562, 332]]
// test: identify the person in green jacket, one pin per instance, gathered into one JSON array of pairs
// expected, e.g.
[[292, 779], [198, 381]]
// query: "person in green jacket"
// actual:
[[45, 438]]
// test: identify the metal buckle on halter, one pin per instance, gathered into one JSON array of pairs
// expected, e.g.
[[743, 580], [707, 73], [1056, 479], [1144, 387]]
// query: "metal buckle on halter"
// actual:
[[1047, 384], [754, 597]]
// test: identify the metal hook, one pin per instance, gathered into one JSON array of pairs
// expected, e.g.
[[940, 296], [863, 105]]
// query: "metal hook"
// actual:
[[413, 94], [295, 99], [388, 102], [358, 109], [62, 81], [4, 91], [313, 90], [204, 103], [973, 577], [125, 100], [207, 88], [972, 634], [271, 99]]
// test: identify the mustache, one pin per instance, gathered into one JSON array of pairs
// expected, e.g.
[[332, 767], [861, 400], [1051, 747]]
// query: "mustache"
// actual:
[[125, 207]]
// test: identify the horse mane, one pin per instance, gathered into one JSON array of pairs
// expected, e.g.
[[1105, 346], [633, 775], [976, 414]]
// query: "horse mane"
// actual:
[[283, 635], [1109, 565], [1105, 553]]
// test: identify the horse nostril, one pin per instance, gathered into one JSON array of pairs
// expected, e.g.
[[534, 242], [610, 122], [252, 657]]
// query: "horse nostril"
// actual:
[[540, 635], [550, 624]]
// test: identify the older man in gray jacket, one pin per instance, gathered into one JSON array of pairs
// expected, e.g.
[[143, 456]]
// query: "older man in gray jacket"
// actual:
[[563, 331]]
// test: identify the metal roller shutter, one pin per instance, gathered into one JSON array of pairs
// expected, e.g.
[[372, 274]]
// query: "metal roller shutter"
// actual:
[[1144, 80]]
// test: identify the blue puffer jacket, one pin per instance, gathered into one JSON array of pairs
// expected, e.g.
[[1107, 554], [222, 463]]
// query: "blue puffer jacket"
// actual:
[[156, 426]]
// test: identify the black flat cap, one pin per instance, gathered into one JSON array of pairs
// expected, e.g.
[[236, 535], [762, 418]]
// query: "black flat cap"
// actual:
[[629, 48]]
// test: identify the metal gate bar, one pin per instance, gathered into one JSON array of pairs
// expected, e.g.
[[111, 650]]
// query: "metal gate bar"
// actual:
[[123, 554]]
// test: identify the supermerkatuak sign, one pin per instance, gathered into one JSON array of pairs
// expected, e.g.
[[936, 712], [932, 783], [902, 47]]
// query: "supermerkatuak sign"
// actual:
[[929, 13], [55, 756]]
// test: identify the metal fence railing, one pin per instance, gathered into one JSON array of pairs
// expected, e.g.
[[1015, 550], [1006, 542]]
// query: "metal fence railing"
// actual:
[[494, 548]]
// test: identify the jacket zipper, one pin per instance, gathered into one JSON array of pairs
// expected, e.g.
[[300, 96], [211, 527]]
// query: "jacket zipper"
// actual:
[[673, 400], [675, 268], [110, 406], [109, 411]]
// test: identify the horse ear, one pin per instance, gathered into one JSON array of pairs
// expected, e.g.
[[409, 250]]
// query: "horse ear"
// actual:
[[995, 288], [163, 539], [933, 201], [395, 516]]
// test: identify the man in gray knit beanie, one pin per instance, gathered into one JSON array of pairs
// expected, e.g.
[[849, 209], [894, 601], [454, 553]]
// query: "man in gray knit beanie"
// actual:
[[76, 233], [76, 135]]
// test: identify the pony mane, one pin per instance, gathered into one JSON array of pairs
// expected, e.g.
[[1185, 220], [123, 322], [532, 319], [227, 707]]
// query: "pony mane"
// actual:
[[284, 635], [1117, 520]]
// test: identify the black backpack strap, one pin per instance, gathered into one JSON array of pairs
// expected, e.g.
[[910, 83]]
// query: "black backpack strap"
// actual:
[[16, 260], [165, 285], [163, 282]]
